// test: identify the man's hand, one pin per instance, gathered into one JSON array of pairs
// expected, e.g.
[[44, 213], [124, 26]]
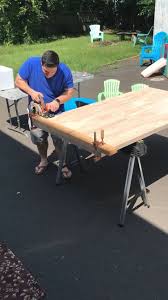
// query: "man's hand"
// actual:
[[37, 97], [52, 106]]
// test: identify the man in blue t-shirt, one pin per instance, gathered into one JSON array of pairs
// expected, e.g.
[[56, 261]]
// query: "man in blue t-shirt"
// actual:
[[48, 79]]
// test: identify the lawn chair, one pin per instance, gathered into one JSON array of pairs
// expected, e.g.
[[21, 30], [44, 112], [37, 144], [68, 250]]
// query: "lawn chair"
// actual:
[[154, 52], [138, 86], [74, 103], [111, 89], [95, 33], [141, 38]]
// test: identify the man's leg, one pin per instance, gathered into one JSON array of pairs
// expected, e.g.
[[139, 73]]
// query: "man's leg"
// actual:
[[39, 138], [42, 149], [58, 144]]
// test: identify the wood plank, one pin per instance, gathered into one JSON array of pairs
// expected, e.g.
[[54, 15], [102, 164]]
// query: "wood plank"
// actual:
[[125, 119], [80, 139]]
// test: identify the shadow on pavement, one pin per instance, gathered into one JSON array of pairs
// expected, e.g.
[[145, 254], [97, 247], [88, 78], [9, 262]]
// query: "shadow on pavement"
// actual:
[[67, 235]]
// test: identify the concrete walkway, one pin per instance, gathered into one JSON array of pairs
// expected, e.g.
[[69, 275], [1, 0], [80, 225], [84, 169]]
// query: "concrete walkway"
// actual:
[[67, 236]]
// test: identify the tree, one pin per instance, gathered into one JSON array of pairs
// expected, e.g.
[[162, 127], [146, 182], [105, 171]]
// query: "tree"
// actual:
[[146, 7], [22, 20], [29, 20]]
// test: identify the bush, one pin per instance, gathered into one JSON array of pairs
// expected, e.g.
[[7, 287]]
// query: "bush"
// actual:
[[20, 20]]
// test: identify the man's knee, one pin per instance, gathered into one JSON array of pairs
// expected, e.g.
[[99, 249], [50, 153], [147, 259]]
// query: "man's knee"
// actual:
[[38, 136]]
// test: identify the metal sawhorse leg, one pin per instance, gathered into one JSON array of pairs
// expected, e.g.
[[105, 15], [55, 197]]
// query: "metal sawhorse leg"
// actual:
[[138, 150]]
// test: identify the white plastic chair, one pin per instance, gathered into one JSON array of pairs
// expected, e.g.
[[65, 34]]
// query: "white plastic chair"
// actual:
[[95, 33]]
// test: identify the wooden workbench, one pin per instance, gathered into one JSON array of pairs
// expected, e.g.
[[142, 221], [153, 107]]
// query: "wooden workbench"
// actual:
[[125, 119]]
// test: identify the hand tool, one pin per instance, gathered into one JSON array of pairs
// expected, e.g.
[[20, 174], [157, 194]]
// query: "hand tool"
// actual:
[[40, 109]]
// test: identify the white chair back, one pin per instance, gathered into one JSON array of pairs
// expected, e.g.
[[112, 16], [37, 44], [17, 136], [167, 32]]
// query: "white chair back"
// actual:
[[94, 28]]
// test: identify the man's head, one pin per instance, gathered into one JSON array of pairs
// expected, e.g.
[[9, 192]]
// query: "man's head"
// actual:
[[50, 62]]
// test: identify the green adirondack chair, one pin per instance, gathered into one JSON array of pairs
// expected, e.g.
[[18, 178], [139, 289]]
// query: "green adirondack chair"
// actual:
[[141, 38], [138, 86], [111, 89]]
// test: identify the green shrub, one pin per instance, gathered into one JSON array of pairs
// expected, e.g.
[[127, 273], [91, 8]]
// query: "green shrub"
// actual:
[[20, 20]]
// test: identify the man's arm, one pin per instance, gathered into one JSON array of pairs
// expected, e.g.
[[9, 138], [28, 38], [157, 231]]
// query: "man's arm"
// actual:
[[54, 105], [66, 95], [23, 85], [68, 90]]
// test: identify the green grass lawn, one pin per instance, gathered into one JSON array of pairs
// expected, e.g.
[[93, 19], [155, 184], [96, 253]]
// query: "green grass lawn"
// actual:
[[78, 53]]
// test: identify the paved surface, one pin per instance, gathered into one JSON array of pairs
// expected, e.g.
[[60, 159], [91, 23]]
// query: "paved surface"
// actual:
[[67, 236]]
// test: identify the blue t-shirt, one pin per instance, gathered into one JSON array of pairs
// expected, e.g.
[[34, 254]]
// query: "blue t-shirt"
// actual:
[[51, 88]]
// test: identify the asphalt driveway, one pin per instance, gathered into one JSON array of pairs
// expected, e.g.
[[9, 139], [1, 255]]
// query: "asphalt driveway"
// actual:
[[67, 235]]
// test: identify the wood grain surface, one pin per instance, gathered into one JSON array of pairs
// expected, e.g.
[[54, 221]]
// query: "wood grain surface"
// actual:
[[125, 119]]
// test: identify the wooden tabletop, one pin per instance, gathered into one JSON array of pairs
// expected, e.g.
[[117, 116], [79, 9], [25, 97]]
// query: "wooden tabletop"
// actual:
[[125, 119]]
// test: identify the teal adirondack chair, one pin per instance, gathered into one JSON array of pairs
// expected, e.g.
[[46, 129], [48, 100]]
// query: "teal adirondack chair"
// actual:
[[95, 33], [154, 52], [138, 86], [111, 89], [141, 38]]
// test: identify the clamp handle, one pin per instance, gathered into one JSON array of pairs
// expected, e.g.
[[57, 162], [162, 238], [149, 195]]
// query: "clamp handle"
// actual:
[[102, 136]]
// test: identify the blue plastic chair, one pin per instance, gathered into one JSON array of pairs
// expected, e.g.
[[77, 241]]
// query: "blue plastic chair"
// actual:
[[74, 103], [154, 52]]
